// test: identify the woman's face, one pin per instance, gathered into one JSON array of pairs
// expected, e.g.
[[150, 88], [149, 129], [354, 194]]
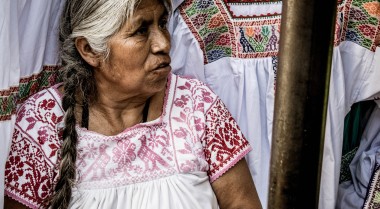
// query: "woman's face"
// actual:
[[139, 60]]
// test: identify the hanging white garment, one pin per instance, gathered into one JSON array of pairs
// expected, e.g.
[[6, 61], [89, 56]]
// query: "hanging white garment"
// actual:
[[28, 59], [232, 48], [246, 84], [354, 78], [9, 76]]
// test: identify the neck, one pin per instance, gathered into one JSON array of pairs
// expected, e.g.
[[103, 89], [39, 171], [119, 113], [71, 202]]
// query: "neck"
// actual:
[[112, 115]]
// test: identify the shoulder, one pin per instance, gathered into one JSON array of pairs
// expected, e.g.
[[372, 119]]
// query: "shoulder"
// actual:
[[195, 89], [43, 107], [39, 120], [190, 80], [30, 168]]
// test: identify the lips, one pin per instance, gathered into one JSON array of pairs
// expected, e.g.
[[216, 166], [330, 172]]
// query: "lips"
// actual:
[[163, 65]]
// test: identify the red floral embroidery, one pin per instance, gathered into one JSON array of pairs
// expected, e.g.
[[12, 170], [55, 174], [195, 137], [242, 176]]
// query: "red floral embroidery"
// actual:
[[47, 104], [224, 40], [30, 169], [206, 95], [224, 142], [124, 153], [13, 169], [368, 31], [199, 20], [216, 21]]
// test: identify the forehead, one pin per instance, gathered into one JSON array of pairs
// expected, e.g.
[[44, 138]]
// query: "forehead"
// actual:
[[150, 6]]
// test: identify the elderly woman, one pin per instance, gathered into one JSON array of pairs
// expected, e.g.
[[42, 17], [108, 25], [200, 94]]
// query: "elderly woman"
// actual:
[[122, 131]]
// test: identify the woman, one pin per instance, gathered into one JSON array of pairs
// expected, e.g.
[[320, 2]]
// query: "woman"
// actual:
[[121, 131]]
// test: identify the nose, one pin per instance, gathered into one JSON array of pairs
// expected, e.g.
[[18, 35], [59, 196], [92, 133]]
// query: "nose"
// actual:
[[160, 41]]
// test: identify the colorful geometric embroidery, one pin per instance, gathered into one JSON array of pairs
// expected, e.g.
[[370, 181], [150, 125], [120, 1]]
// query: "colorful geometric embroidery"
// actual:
[[358, 21], [372, 200], [9, 99], [220, 35]]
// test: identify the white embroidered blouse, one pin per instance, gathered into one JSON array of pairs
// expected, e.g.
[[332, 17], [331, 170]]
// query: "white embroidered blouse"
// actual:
[[166, 163]]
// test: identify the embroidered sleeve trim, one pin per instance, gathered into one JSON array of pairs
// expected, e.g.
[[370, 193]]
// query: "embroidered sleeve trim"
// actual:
[[224, 143], [235, 159], [29, 203], [30, 168]]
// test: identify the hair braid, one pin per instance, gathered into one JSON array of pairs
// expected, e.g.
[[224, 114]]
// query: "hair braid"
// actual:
[[62, 191], [78, 81]]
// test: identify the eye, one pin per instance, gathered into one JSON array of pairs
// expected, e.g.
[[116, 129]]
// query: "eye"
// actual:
[[163, 24], [142, 30]]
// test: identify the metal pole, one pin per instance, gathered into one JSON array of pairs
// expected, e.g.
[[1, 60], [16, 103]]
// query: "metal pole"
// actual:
[[301, 102]]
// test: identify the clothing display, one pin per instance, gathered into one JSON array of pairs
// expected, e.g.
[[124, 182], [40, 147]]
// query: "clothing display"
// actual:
[[354, 78], [232, 46], [165, 163]]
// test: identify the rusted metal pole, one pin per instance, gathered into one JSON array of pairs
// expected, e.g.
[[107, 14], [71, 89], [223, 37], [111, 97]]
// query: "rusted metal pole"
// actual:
[[301, 102]]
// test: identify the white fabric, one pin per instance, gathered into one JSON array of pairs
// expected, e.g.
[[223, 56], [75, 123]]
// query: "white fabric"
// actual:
[[246, 86], [250, 82], [6, 129], [9, 75], [28, 41], [169, 162], [353, 74], [252, 10], [351, 194], [168, 192]]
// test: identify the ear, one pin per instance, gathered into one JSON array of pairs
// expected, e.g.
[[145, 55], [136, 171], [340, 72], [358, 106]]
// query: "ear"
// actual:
[[87, 53]]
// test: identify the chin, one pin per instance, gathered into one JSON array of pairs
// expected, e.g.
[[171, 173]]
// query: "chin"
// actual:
[[159, 83]]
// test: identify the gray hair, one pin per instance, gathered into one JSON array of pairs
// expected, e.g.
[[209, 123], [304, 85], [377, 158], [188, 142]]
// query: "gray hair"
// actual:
[[97, 21]]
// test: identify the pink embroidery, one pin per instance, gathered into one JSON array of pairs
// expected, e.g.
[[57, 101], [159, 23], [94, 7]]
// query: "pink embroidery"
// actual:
[[124, 153], [98, 168], [195, 132], [149, 156]]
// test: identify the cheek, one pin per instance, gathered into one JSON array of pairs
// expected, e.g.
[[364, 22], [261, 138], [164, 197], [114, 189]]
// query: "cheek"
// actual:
[[130, 53]]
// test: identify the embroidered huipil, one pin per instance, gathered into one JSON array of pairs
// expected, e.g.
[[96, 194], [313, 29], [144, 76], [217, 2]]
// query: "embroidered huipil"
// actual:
[[165, 163], [232, 45], [355, 77]]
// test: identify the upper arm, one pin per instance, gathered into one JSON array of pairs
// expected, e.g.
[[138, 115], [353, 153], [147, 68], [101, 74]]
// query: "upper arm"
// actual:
[[12, 204], [235, 188]]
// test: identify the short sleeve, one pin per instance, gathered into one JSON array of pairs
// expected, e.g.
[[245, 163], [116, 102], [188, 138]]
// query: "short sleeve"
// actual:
[[225, 144], [30, 168]]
